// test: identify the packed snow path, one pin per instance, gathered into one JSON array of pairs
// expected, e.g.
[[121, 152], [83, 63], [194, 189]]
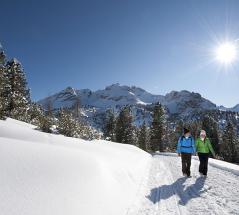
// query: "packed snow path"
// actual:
[[167, 192]]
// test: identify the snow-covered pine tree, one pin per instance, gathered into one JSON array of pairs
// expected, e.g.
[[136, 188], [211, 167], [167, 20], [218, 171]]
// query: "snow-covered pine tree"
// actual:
[[35, 113], [179, 129], [77, 107], [49, 107], [143, 137], [157, 128], [109, 125], [211, 127], [124, 131], [17, 92], [87, 132], [3, 83], [67, 124], [45, 124], [38, 117], [170, 137], [229, 147]]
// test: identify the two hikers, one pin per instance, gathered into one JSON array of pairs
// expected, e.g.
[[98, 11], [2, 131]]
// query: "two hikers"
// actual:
[[187, 147]]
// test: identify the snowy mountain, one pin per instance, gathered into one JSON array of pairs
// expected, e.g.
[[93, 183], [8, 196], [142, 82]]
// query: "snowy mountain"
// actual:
[[111, 96], [184, 102], [234, 109], [94, 103]]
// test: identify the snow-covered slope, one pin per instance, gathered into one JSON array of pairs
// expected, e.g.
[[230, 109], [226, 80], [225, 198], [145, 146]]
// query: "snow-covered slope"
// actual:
[[167, 192], [184, 102], [51, 174], [234, 109]]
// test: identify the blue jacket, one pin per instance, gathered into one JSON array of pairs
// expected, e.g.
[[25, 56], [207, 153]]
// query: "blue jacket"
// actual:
[[186, 145]]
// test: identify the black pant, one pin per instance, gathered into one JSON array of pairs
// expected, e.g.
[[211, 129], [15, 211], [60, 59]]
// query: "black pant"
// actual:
[[203, 157], [186, 163]]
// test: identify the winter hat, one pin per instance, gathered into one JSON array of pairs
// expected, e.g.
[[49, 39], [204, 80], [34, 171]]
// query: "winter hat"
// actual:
[[185, 130]]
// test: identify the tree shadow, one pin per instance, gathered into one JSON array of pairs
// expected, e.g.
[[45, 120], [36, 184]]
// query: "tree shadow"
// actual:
[[178, 188]]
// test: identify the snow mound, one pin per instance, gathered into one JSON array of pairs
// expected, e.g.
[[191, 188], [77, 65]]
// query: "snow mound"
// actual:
[[52, 174]]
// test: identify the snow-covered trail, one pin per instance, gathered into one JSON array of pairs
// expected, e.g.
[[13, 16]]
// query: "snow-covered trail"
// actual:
[[167, 192]]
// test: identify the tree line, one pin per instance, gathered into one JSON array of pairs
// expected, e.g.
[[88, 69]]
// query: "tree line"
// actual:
[[162, 134]]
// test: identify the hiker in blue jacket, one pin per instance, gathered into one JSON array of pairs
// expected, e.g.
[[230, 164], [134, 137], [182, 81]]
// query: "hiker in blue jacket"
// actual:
[[185, 149]]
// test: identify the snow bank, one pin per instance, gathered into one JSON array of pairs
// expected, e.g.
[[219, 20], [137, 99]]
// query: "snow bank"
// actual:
[[52, 174], [233, 168], [223, 165]]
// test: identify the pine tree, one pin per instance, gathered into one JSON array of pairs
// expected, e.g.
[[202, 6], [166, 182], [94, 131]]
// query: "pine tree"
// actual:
[[49, 107], [3, 83], [35, 113], [45, 123], [157, 128], [179, 129], [39, 118], [77, 106], [109, 125], [210, 126], [143, 137], [67, 124], [17, 91], [229, 148], [124, 131]]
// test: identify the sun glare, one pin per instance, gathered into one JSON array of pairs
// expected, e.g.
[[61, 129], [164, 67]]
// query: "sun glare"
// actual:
[[226, 53]]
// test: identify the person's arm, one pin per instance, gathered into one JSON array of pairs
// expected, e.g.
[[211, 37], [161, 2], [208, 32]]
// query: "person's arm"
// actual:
[[211, 148], [179, 146], [196, 144], [193, 145]]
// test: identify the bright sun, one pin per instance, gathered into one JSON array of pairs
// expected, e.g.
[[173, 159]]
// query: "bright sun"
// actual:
[[226, 53]]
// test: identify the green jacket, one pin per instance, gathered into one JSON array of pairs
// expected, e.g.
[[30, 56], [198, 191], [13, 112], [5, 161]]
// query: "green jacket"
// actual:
[[204, 147]]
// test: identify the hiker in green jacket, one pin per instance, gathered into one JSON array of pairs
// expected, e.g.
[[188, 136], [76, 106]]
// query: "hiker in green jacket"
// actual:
[[203, 148]]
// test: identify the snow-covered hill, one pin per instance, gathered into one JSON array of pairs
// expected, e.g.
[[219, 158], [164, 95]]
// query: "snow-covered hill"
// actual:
[[51, 174]]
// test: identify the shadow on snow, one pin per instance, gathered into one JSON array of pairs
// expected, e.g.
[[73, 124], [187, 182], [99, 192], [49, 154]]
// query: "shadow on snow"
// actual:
[[178, 188]]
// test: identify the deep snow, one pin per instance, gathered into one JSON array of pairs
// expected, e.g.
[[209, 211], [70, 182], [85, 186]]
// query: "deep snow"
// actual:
[[51, 174]]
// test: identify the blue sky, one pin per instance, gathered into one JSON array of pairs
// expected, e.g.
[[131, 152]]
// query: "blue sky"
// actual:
[[159, 45]]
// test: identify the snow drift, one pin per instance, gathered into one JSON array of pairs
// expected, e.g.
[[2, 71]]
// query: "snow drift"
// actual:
[[51, 174]]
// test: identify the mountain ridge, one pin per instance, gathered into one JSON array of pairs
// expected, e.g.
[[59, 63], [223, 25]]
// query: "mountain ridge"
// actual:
[[94, 104], [135, 95]]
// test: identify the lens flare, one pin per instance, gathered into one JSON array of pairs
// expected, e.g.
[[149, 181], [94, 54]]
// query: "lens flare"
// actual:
[[226, 53]]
